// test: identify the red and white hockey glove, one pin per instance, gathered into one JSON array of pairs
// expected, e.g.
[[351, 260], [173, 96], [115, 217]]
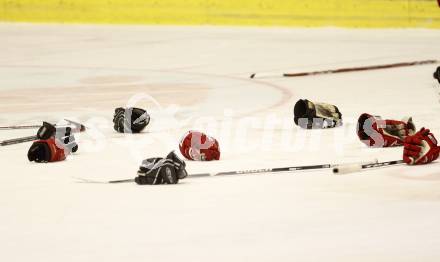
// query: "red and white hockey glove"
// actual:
[[47, 150], [199, 146], [54, 144], [420, 148], [375, 132]]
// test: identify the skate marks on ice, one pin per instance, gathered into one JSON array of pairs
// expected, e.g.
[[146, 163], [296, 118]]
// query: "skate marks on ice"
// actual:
[[104, 91], [96, 96]]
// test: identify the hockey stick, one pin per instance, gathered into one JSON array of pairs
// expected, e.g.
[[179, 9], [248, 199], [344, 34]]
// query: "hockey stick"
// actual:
[[38, 126], [18, 140], [351, 168], [19, 127], [281, 169], [242, 172], [271, 170], [91, 181], [353, 69], [78, 128]]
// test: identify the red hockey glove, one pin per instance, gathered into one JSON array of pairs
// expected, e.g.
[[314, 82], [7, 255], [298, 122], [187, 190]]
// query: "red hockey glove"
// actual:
[[375, 132], [47, 151], [420, 148], [198, 146]]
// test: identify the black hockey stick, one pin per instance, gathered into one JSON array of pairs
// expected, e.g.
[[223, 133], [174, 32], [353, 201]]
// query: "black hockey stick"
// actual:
[[351, 168], [351, 69], [17, 140], [270, 170], [242, 172], [38, 126], [19, 127], [78, 128], [280, 169]]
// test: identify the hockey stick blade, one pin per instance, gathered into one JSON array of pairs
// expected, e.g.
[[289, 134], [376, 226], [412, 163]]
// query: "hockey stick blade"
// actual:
[[91, 181], [79, 126]]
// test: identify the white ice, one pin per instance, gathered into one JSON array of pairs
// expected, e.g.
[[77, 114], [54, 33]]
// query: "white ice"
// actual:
[[199, 78]]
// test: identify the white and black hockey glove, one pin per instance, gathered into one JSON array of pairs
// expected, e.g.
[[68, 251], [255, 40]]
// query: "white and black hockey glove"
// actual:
[[63, 134], [130, 120], [156, 171], [311, 115]]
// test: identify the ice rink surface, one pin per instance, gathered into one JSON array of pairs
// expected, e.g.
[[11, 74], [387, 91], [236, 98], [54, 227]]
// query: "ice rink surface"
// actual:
[[198, 78]]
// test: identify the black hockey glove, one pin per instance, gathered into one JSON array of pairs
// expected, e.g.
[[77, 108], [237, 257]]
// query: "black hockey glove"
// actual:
[[179, 165], [437, 74], [156, 171], [46, 131], [311, 115], [49, 150], [130, 120]]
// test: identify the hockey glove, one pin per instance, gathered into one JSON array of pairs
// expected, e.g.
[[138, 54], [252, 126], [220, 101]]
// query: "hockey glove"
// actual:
[[420, 148], [43, 151], [375, 132], [130, 120], [437, 74], [63, 134], [46, 131], [198, 146], [156, 171], [179, 165], [311, 115]]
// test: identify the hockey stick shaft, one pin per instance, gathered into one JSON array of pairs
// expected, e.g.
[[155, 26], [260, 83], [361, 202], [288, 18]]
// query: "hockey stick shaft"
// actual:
[[19, 127], [383, 164], [361, 68], [271, 170], [282, 169], [347, 169], [76, 124], [357, 69], [18, 140]]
